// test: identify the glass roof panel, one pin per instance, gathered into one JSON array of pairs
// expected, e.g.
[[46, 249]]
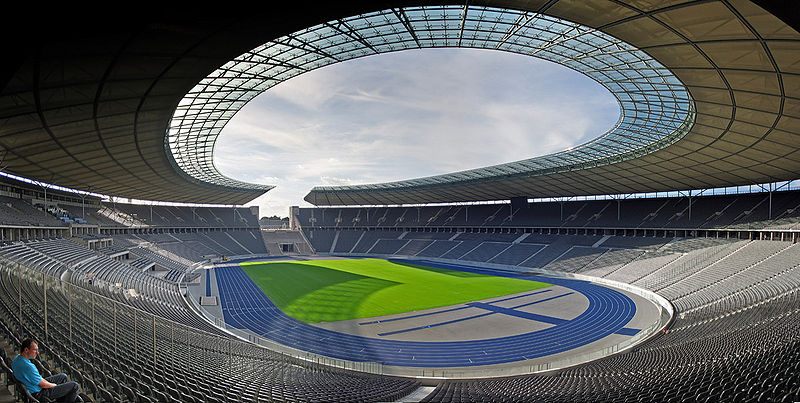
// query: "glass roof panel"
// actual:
[[656, 108]]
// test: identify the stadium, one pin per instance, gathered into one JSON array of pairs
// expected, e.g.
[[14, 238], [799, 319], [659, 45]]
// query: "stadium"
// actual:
[[656, 262]]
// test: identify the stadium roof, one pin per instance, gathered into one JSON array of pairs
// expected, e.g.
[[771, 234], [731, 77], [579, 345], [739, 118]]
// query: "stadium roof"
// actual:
[[709, 93]]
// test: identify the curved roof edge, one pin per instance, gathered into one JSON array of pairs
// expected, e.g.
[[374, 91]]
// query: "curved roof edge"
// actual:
[[739, 64], [656, 109], [85, 102]]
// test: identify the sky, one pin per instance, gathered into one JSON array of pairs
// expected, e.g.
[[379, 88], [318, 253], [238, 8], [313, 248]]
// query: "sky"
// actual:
[[405, 115]]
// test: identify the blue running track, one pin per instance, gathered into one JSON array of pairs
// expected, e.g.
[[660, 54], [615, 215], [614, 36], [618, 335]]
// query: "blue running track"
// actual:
[[245, 306]]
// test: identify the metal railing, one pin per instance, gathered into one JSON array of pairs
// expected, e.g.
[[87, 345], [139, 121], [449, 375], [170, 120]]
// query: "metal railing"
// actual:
[[66, 316]]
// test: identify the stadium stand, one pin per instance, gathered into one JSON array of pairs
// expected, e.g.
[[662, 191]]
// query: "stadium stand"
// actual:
[[283, 242], [611, 261], [367, 240], [717, 347], [413, 246], [345, 242], [736, 300], [386, 246], [184, 248], [75, 90], [745, 211], [642, 263], [198, 216], [224, 243], [160, 259], [486, 251], [89, 212], [733, 297], [516, 254], [732, 307], [323, 239], [438, 248], [121, 214], [575, 258], [121, 354], [728, 306], [19, 212], [463, 248]]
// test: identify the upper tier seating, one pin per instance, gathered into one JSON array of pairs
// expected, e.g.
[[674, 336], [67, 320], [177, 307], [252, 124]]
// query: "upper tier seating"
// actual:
[[751, 211], [15, 211], [734, 336], [121, 214]]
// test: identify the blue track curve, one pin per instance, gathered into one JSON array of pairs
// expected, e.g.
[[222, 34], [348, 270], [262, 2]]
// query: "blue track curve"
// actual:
[[245, 306]]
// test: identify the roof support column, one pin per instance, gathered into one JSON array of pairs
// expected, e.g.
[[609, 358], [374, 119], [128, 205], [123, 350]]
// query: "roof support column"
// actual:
[[519, 203]]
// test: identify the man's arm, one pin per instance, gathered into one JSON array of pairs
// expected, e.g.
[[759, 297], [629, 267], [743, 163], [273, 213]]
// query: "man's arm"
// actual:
[[46, 385]]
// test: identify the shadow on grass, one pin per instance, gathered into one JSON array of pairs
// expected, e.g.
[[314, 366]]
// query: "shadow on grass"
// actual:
[[315, 294], [447, 272]]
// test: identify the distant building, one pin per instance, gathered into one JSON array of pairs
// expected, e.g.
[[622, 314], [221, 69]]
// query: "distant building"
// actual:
[[273, 222]]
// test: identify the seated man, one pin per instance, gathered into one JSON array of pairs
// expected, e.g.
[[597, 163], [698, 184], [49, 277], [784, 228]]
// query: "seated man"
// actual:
[[53, 387]]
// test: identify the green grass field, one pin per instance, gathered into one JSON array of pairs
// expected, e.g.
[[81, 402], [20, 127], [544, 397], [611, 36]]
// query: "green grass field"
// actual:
[[331, 290]]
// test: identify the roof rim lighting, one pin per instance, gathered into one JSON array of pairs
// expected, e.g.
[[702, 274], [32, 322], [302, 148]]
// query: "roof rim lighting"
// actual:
[[656, 108]]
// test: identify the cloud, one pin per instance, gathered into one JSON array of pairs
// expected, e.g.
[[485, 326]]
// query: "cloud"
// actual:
[[405, 115], [308, 91], [331, 181]]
